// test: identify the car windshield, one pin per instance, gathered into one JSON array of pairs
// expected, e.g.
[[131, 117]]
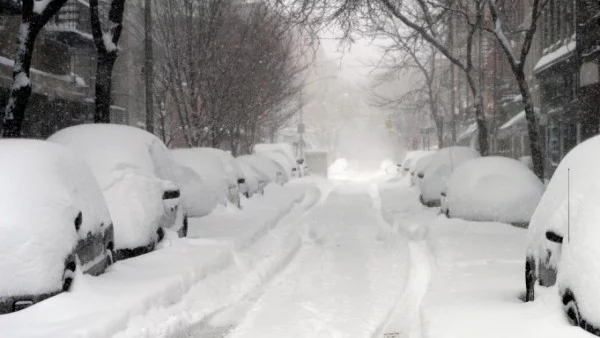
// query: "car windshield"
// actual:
[[299, 168]]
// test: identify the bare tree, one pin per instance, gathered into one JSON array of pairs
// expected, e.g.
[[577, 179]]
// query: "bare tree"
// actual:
[[231, 81], [35, 15], [516, 59], [427, 18], [106, 42]]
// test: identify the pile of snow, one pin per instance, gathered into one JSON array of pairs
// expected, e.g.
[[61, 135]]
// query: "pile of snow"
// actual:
[[389, 167], [44, 187], [435, 175], [419, 168], [133, 169], [494, 189], [339, 166], [573, 191], [203, 179]]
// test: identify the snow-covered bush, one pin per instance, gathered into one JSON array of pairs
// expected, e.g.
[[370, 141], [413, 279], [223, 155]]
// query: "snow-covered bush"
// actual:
[[50, 202], [439, 169], [136, 174], [495, 189]]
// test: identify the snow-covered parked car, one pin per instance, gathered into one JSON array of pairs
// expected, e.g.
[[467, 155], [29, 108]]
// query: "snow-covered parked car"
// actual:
[[234, 173], [136, 175], [283, 154], [269, 170], [493, 189], [433, 179], [213, 183], [419, 167], [409, 158], [563, 236], [54, 220], [255, 180]]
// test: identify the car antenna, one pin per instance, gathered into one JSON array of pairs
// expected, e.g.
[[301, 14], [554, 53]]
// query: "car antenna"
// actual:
[[568, 205]]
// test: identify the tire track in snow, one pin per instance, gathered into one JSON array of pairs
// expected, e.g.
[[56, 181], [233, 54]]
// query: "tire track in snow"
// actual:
[[253, 267], [408, 217]]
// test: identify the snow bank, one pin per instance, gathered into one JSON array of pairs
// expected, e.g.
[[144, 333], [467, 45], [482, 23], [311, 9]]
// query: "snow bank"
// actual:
[[44, 187], [443, 163], [497, 189], [133, 169]]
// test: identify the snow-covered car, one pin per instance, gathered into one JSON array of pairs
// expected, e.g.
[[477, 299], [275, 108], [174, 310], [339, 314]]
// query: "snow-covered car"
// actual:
[[213, 183], [283, 154], [419, 167], [255, 180], [54, 219], [563, 236], [433, 179], [136, 175], [408, 160], [233, 172], [269, 170], [492, 189]]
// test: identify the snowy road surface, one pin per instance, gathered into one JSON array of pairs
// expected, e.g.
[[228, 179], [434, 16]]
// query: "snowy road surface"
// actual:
[[344, 282]]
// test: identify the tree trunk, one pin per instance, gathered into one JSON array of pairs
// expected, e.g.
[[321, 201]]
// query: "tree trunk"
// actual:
[[149, 67], [482, 131], [103, 87], [31, 23], [532, 126]]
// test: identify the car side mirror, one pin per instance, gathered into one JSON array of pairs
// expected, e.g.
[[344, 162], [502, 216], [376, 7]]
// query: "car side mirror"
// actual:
[[421, 175], [171, 194], [554, 237], [443, 194], [241, 180]]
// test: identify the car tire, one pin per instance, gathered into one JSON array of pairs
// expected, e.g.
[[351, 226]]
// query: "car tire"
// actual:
[[69, 272], [571, 309], [530, 279], [183, 232], [110, 255]]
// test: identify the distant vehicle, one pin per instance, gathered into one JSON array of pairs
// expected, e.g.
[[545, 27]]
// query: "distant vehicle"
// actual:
[[433, 179], [234, 173], [135, 172], [409, 158], [270, 171], [564, 235], [418, 166], [283, 154], [255, 179], [493, 189], [53, 215]]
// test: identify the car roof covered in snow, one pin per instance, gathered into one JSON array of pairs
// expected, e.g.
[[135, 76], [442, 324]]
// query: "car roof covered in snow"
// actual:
[[266, 166], [281, 148], [111, 147], [44, 187], [493, 188], [232, 167]]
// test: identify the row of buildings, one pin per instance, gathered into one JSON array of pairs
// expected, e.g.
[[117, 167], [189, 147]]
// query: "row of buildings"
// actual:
[[562, 70], [63, 68]]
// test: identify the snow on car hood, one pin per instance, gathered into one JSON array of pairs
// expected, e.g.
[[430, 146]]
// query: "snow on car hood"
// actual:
[[497, 189], [44, 188]]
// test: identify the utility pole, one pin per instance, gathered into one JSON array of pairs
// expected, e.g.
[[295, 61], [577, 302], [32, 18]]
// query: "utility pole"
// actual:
[[149, 66]]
